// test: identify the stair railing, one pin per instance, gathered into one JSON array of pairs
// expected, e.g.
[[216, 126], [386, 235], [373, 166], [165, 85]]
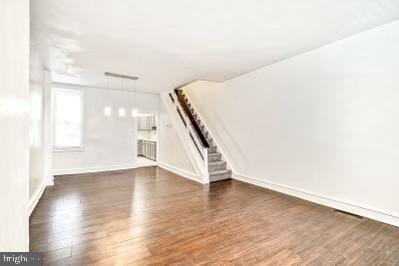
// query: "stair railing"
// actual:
[[190, 116], [193, 130]]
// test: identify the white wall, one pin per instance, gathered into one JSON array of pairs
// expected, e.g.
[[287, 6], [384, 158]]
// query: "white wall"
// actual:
[[40, 172], [322, 124], [36, 155], [171, 152], [14, 125], [109, 142]]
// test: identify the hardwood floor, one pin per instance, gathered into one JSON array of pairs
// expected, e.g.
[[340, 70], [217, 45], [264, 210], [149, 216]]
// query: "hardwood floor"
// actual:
[[151, 216]]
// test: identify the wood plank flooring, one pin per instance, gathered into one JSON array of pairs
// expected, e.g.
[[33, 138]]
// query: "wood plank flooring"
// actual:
[[151, 216]]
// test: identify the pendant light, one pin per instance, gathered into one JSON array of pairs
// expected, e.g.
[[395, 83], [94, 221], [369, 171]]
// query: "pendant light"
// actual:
[[135, 111], [121, 110], [107, 109]]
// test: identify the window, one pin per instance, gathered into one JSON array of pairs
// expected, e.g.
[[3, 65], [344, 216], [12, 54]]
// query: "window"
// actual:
[[68, 119]]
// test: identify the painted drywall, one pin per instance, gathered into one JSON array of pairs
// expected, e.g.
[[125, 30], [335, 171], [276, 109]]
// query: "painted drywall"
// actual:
[[47, 129], [40, 159], [109, 141], [324, 122], [14, 125], [36, 154], [171, 151]]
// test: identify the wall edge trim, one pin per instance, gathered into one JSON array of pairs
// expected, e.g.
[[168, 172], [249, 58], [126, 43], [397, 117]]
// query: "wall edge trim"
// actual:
[[36, 197], [380, 216], [181, 172], [95, 169]]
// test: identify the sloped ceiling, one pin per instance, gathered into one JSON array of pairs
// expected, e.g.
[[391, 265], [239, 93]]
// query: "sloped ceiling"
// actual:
[[169, 43]]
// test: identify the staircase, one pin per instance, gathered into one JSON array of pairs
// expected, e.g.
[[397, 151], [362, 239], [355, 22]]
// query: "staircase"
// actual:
[[217, 167]]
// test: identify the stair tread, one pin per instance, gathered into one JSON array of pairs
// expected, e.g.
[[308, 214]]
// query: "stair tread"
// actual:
[[220, 172], [217, 162]]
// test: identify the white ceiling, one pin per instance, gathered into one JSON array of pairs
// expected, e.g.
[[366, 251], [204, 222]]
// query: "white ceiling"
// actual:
[[169, 43]]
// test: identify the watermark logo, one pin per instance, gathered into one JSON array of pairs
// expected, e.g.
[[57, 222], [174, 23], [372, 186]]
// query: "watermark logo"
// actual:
[[21, 258]]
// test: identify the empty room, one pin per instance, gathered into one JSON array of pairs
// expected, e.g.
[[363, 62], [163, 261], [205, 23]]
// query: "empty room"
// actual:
[[199, 132]]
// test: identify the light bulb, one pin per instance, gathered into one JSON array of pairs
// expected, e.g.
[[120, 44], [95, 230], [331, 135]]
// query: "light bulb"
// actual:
[[121, 112], [107, 111], [135, 112]]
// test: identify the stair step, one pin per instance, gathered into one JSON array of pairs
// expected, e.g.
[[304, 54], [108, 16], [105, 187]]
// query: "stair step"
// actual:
[[212, 149], [216, 156], [204, 131], [220, 175], [216, 166]]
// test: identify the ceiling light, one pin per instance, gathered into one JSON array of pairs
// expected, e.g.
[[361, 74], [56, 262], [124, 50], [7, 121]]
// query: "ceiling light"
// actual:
[[121, 112], [107, 111]]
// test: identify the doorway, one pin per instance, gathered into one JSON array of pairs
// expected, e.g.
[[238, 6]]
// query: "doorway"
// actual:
[[147, 135]]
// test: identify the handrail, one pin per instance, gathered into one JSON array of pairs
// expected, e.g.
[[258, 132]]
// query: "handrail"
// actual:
[[181, 116], [171, 98], [196, 146], [190, 116]]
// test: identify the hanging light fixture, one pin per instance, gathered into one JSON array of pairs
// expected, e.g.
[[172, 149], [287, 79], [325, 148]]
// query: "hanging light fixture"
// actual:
[[107, 109], [135, 112], [121, 110]]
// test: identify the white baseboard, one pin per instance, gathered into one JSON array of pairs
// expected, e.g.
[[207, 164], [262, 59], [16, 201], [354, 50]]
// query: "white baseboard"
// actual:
[[94, 169], [36, 197], [336, 204], [181, 172], [50, 181]]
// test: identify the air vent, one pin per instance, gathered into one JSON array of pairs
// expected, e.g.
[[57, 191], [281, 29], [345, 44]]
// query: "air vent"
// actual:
[[350, 214]]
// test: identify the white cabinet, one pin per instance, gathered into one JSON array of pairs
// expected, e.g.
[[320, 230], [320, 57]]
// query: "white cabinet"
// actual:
[[147, 148], [146, 123]]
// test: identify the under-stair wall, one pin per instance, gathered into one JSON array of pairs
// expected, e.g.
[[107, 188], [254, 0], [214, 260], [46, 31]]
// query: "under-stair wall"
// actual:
[[179, 123], [172, 154]]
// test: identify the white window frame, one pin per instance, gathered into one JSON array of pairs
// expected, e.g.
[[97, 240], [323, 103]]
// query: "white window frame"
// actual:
[[82, 114]]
